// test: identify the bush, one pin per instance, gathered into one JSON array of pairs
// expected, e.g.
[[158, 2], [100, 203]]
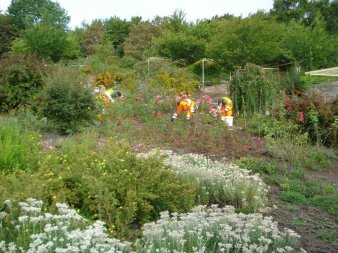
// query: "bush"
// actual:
[[19, 148], [253, 90], [218, 183], [20, 80], [66, 102], [176, 82], [308, 81], [257, 165], [104, 180], [105, 79], [294, 197], [319, 119], [328, 203]]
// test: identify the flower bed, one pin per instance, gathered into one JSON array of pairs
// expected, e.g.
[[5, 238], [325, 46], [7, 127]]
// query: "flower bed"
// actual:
[[216, 230], [218, 183], [34, 230]]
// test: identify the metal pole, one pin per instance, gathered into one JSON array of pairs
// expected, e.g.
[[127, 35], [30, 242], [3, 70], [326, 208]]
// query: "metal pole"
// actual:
[[203, 72], [148, 64]]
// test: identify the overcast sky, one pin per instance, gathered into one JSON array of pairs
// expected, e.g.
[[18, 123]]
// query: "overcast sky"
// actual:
[[87, 10]]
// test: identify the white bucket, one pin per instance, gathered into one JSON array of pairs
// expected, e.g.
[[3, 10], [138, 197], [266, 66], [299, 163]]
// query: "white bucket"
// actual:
[[229, 120]]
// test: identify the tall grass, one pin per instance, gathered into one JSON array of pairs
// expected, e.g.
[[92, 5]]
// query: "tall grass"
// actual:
[[19, 148]]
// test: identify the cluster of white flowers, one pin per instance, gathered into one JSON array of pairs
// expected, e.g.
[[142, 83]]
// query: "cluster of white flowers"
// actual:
[[224, 182], [216, 229], [60, 232]]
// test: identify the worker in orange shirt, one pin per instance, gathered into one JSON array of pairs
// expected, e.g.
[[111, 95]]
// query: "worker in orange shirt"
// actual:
[[186, 105], [224, 107]]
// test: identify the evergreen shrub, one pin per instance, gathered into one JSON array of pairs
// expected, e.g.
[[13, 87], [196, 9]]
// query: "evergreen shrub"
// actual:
[[66, 101]]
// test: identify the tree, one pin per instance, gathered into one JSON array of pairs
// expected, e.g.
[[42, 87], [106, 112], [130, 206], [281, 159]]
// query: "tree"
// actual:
[[140, 39], [180, 46], [27, 13], [92, 36], [256, 39], [47, 42], [306, 12], [43, 27], [176, 22], [7, 33], [117, 31], [312, 46]]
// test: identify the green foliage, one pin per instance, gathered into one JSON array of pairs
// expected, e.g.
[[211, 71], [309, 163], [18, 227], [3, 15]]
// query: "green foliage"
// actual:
[[117, 31], [294, 197], [47, 42], [27, 13], [308, 81], [105, 79], [177, 82], [320, 119], [140, 39], [256, 39], [180, 46], [257, 165], [104, 180], [7, 33], [19, 148], [313, 47], [66, 101], [20, 79], [328, 203], [253, 90], [306, 12], [91, 36]]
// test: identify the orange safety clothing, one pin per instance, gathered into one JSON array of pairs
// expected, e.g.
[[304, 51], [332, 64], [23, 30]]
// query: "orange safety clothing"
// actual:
[[186, 105], [225, 107]]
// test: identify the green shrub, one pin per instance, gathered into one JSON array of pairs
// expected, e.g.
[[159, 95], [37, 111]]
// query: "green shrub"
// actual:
[[253, 90], [20, 80], [316, 188], [218, 183], [19, 148], [176, 82], [66, 102], [320, 121], [294, 197], [328, 203], [257, 165], [104, 180], [308, 81]]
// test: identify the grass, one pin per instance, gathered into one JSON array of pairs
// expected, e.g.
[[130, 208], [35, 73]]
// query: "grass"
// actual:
[[19, 147]]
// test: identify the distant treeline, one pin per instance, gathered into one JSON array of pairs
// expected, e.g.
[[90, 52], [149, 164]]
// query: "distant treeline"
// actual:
[[292, 31]]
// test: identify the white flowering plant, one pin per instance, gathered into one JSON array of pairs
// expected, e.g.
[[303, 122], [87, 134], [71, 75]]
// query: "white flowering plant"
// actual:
[[216, 229], [34, 230], [218, 182]]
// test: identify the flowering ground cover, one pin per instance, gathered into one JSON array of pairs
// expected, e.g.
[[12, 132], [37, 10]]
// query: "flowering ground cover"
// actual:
[[217, 182], [216, 229], [30, 228], [34, 230]]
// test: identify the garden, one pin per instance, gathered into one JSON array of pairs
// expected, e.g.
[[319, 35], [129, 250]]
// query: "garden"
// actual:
[[79, 173]]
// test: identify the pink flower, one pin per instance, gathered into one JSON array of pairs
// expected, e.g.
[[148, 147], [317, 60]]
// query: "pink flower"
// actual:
[[158, 97], [301, 116]]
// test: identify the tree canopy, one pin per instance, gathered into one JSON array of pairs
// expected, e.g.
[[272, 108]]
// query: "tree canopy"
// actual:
[[293, 30]]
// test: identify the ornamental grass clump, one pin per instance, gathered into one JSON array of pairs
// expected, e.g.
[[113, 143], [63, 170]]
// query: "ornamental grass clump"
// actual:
[[25, 227], [216, 230], [217, 182]]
